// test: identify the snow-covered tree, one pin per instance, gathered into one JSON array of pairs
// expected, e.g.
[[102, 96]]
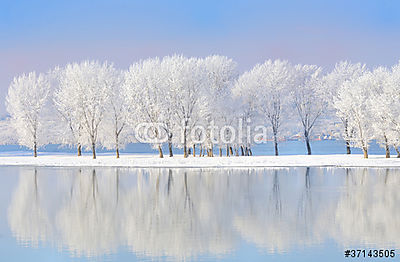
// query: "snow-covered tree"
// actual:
[[86, 86], [221, 72], [377, 104], [186, 82], [307, 98], [343, 71], [270, 83], [389, 103], [26, 99], [167, 120], [7, 132], [352, 100], [144, 88], [115, 131], [66, 99], [246, 113]]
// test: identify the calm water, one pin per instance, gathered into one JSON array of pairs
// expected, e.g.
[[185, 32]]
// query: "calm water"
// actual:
[[108, 214]]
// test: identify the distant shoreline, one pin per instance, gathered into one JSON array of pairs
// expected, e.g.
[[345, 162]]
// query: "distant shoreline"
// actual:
[[153, 161]]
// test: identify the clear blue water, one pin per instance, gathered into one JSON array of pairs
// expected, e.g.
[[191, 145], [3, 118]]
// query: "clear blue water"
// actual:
[[114, 214], [285, 148]]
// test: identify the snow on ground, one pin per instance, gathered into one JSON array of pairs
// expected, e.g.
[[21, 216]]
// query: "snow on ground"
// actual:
[[178, 161]]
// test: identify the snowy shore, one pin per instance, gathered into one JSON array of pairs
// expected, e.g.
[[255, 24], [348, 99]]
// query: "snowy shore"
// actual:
[[203, 162]]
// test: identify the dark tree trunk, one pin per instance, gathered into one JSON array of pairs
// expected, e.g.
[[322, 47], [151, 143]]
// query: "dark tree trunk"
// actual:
[[348, 150], [241, 148], [160, 151], [246, 150], [306, 136], [346, 131], [365, 151], [308, 146], [220, 151], [227, 150], [398, 151], [79, 149], [35, 149], [194, 150], [276, 144], [94, 150], [116, 144], [250, 152], [171, 154], [201, 150], [189, 151], [387, 150], [230, 151], [185, 151]]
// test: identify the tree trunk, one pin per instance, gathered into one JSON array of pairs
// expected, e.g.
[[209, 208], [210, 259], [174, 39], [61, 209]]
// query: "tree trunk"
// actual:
[[387, 151], [307, 143], [346, 131], [246, 150], [160, 151], [170, 149], [365, 151], [35, 149], [79, 149], [308, 146], [220, 151], [398, 151], [230, 151], [185, 153], [241, 148], [194, 150], [236, 151], [276, 144], [116, 144], [387, 148], [212, 151], [251, 153], [94, 150], [227, 150], [348, 150], [189, 151], [171, 154], [201, 150]]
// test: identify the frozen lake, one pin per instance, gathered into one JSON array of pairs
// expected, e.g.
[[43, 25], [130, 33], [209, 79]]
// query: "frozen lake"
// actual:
[[124, 214]]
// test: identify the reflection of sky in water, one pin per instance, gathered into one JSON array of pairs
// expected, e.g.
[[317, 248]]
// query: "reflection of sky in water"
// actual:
[[193, 214]]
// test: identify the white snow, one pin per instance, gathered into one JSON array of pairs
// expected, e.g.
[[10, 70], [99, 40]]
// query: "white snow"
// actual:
[[64, 160]]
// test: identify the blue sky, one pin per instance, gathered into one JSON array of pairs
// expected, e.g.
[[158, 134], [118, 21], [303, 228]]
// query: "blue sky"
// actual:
[[37, 35]]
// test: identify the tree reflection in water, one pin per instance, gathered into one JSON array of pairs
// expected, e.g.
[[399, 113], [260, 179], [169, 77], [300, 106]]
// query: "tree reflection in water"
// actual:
[[186, 213]]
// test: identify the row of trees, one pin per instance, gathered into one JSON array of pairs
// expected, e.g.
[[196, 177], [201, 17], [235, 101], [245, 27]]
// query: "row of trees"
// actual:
[[92, 104]]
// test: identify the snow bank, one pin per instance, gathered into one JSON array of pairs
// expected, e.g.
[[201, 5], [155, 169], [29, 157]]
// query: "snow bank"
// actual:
[[178, 161]]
